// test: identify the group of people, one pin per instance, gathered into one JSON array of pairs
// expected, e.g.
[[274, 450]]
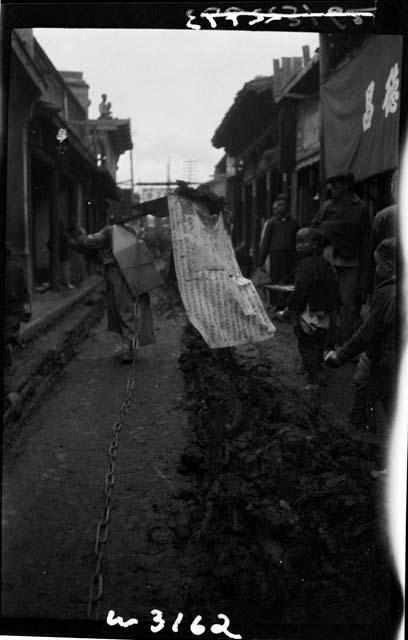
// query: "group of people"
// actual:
[[344, 297], [340, 264]]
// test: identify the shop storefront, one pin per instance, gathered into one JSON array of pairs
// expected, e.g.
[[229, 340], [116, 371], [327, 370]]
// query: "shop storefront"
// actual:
[[361, 116]]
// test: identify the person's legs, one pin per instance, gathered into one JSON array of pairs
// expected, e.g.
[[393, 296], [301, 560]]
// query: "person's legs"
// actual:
[[331, 334], [385, 386], [348, 282], [65, 274], [309, 351], [359, 413], [321, 341]]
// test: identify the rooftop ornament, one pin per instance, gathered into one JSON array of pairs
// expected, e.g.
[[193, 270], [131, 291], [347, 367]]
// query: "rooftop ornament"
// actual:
[[105, 108]]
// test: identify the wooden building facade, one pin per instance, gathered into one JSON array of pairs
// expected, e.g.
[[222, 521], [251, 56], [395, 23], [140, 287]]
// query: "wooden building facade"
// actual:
[[290, 132], [61, 166]]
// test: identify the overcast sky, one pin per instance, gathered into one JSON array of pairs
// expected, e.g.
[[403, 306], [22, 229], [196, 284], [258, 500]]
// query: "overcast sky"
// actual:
[[175, 85]]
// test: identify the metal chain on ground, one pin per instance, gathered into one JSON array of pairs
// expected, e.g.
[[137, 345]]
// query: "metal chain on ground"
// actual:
[[102, 528]]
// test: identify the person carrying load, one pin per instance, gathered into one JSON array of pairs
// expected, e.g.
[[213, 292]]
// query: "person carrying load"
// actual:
[[130, 274]]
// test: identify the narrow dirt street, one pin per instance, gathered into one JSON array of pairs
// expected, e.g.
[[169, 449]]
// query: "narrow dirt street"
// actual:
[[54, 478], [231, 487]]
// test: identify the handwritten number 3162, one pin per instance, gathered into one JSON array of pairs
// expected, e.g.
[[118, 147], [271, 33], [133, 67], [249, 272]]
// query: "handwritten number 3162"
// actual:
[[196, 628]]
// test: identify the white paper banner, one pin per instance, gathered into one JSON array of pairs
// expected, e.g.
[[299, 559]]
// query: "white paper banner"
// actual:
[[221, 304]]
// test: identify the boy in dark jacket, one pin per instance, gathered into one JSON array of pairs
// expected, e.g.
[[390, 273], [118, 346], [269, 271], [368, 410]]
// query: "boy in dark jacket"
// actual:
[[377, 336], [316, 294]]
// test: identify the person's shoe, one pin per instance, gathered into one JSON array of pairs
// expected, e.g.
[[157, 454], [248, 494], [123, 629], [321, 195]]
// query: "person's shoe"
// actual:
[[70, 286]]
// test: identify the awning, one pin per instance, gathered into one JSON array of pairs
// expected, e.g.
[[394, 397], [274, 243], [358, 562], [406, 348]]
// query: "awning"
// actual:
[[361, 110], [307, 162]]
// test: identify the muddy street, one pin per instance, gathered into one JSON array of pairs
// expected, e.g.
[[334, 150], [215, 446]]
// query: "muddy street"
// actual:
[[230, 486], [53, 485]]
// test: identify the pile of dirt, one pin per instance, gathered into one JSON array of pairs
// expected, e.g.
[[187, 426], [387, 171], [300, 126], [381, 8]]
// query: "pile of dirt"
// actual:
[[289, 514]]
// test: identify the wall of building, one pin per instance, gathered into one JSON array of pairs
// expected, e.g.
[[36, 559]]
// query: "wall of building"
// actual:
[[41, 231], [308, 128], [44, 184], [22, 97]]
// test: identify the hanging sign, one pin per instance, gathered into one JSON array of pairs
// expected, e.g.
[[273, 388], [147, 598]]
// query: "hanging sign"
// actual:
[[361, 110], [220, 303]]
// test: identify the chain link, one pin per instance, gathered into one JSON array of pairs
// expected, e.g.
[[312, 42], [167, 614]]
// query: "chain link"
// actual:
[[102, 528]]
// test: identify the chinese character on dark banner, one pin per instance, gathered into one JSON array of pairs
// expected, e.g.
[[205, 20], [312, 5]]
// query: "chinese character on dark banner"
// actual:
[[361, 110]]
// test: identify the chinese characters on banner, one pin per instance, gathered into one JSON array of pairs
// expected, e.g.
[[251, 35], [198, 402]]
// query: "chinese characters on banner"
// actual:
[[220, 303], [361, 109]]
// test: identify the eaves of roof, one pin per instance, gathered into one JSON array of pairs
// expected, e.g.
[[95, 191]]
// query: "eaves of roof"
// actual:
[[258, 85], [302, 77], [41, 57], [118, 130], [29, 64]]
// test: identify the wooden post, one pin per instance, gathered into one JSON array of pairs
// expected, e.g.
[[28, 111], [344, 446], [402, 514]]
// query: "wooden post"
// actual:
[[294, 194], [323, 71], [254, 214], [132, 183], [306, 54], [244, 214], [78, 202], [54, 230], [285, 186], [28, 254], [268, 195]]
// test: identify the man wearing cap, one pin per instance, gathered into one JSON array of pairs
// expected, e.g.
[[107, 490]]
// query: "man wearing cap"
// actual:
[[279, 242], [345, 221]]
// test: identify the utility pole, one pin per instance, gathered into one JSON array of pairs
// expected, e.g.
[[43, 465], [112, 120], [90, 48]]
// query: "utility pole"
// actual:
[[168, 175], [131, 172], [190, 170]]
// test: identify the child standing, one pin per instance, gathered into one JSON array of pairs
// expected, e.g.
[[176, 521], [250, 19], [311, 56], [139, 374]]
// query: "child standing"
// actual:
[[315, 295]]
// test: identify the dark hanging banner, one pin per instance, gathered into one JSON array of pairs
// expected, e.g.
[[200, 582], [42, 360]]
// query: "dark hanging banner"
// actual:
[[361, 110]]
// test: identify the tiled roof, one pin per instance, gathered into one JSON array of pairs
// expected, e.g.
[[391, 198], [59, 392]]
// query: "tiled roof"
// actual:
[[259, 85]]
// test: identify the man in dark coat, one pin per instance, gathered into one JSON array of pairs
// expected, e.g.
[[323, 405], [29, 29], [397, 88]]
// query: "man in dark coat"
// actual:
[[279, 241], [377, 335], [345, 221]]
